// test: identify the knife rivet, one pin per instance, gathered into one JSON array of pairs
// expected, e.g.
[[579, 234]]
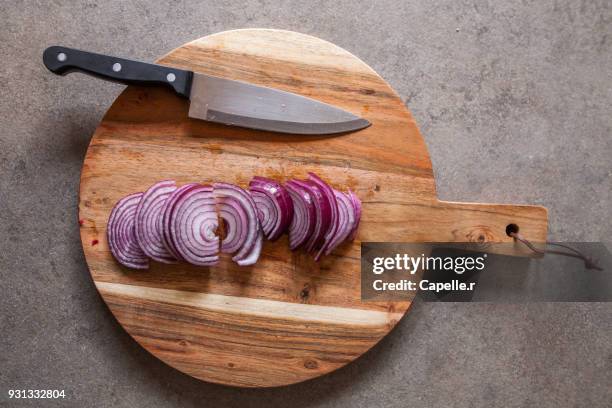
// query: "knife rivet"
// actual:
[[116, 67], [170, 77], [61, 57]]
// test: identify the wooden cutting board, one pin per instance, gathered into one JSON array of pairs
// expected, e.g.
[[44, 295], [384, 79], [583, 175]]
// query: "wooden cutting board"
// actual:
[[287, 319]]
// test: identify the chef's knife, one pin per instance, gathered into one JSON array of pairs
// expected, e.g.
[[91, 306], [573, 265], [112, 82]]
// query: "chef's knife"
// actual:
[[214, 99]]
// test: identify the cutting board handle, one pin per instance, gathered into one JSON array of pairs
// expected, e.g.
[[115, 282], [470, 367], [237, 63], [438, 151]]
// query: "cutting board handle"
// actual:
[[483, 223]]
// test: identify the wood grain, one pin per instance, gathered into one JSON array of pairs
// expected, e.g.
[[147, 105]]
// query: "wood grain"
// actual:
[[287, 319]]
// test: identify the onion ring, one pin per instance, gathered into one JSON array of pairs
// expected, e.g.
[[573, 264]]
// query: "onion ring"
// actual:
[[274, 206], [122, 236], [193, 226], [167, 213], [322, 213], [346, 221], [357, 208], [149, 221], [303, 221], [237, 209]]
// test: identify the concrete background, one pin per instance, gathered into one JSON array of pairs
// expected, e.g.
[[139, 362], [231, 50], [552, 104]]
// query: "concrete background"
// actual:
[[514, 103]]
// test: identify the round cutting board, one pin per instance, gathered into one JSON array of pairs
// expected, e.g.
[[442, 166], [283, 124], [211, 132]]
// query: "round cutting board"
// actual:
[[288, 318]]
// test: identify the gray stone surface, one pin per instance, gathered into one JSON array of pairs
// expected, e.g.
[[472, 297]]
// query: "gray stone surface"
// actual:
[[513, 100]]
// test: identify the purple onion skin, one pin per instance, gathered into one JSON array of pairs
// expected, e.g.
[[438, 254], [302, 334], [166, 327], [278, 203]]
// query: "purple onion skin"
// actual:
[[121, 233], [283, 203], [252, 222], [321, 219], [346, 221], [357, 207], [323, 214], [148, 221], [267, 211], [167, 214], [301, 199], [192, 212], [328, 194], [235, 235]]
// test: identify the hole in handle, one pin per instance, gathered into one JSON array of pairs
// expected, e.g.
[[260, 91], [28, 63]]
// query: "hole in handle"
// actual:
[[511, 229]]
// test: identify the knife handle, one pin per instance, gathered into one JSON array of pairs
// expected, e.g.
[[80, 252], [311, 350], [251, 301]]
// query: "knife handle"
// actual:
[[62, 60]]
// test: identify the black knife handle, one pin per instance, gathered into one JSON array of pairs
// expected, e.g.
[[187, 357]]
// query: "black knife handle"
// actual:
[[62, 60]]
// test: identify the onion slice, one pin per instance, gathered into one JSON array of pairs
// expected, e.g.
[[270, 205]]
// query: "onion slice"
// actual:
[[149, 221], [346, 221], [329, 195], [357, 208], [237, 209], [166, 221], [194, 224], [253, 256], [322, 213], [122, 236], [304, 213], [274, 206]]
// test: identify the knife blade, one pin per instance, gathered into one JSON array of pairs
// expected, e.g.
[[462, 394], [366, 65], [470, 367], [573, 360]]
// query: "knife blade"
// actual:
[[214, 99]]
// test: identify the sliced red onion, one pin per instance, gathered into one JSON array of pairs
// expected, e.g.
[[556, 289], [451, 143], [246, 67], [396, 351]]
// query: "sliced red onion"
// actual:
[[322, 213], [149, 221], [328, 193], [304, 214], [237, 209], [274, 206], [357, 208], [193, 226], [122, 236], [346, 221], [166, 221]]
